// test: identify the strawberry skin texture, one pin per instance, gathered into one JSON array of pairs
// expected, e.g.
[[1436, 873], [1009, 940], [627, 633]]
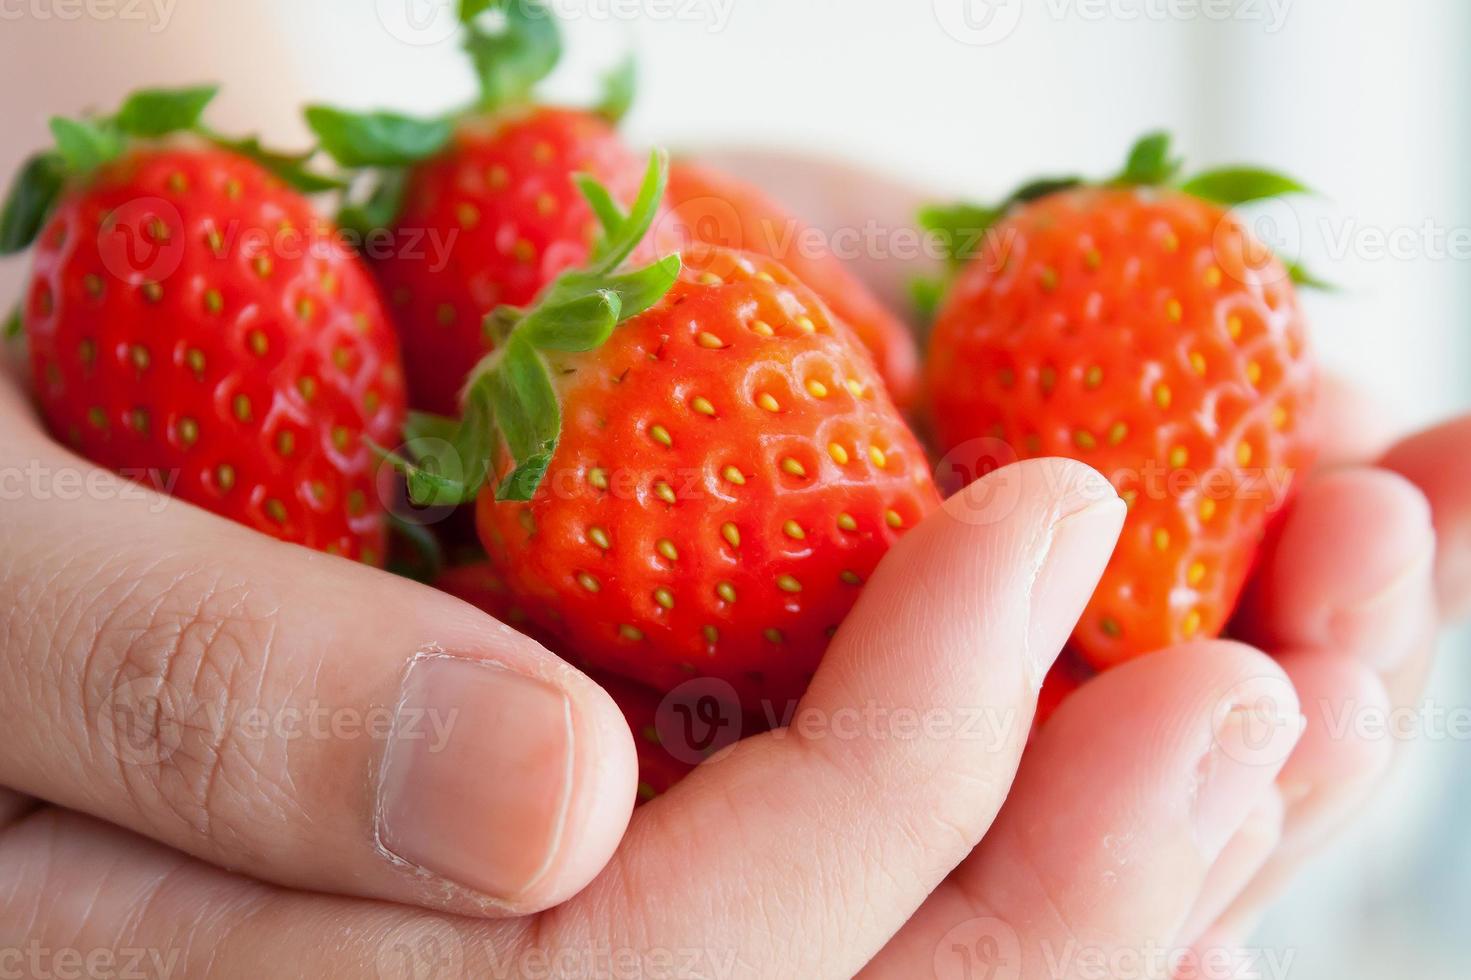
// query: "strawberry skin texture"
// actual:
[[718, 209], [491, 220], [1144, 333], [250, 373], [730, 471]]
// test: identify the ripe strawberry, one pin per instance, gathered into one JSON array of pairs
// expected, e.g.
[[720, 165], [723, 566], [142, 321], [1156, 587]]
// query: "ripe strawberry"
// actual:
[[188, 313], [1138, 327], [718, 209], [729, 471], [481, 210]]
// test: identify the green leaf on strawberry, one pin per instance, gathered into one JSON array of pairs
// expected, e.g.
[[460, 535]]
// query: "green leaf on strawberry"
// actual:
[[961, 227], [376, 139], [84, 144], [1239, 185], [619, 88], [1302, 277], [511, 60], [158, 112], [30, 200], [1149, 163], [510, 399], [512, 46], [290, 168]]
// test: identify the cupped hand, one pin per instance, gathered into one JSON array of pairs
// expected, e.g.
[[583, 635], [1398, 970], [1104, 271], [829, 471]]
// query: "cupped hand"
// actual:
[[194, 758], [162, 670]]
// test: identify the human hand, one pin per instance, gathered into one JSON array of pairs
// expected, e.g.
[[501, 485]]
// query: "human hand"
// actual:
[[1349, 599], [668, 890], [105, 599]]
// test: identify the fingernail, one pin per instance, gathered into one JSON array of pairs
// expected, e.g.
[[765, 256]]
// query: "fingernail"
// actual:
[[477, 775], [1253, 735], [1387, 625], [1082, 539]]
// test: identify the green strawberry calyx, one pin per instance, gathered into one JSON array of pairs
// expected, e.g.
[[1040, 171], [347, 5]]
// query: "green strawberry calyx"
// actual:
[[962, 227], [84, 145], [509, 403], [513, 45]]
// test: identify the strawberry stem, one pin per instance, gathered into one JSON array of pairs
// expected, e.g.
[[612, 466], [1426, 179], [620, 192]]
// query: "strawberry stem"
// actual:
[[509, 400], [512, 46], [84, 145], [962, 227]]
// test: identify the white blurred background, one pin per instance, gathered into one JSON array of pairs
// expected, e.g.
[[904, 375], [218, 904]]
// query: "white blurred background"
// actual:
[[1368, 102]]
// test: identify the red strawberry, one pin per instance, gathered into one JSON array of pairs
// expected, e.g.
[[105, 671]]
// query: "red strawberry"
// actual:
[[700, 491], [720, 210], [1140, 328], [481, 210], [189, 314], [501, 200]]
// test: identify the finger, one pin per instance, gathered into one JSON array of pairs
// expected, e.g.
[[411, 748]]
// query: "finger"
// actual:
[[1438, 461], [322, 724], [1125, 806], [1345, 748], [78, 889], [1242, 860], [1355, 426], [839, 836], [896, 759], [1350, 571], [1350, 741], [1359, 608]]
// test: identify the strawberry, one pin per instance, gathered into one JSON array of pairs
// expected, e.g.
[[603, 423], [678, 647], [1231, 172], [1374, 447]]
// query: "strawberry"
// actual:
[[700, 470], [718, 209], [189, 314], [1139, 327], [480, 209]]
